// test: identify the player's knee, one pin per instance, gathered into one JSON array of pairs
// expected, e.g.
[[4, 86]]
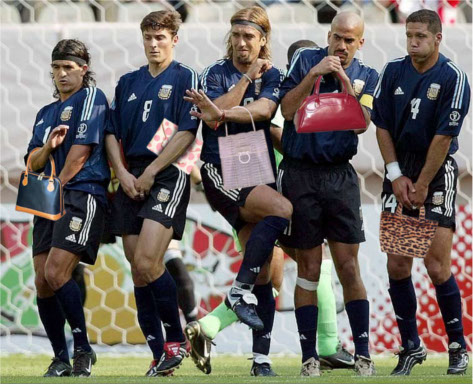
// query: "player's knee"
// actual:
[[284, 208], [308, 269], [55, 277], [348, 272], [42, 287], [398, 268], [147, 269], [438, 272]]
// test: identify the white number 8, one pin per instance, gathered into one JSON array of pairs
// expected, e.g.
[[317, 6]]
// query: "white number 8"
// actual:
[[146, 110]]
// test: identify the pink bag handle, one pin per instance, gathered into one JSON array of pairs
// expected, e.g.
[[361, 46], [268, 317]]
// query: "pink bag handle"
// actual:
[[319, 79], [251, 117]]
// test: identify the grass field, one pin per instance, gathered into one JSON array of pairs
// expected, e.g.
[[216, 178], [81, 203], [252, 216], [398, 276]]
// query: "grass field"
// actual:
[[226, 369]]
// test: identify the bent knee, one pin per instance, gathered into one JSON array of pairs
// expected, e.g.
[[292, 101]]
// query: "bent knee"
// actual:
[[42, 287], [438, 272], [55, 278]]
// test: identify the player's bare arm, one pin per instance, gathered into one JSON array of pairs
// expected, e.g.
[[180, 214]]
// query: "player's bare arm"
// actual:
[[436, 155], [235, 95], [261, 109], [402, 186], [56, 138], [176, 147], [75, 160], [294, 98], [127, 180]]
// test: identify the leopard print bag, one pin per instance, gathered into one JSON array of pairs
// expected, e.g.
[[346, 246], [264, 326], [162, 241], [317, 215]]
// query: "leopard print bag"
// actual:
[[404, 235]]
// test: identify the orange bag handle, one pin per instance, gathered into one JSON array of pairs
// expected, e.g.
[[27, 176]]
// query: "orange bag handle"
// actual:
[[28, 169]]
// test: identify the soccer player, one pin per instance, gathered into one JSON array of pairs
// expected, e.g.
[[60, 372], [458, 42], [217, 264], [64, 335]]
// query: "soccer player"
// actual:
[[259, 214], [419, 106], [333, 355], [327, 198], [149, 209], [71, 130]]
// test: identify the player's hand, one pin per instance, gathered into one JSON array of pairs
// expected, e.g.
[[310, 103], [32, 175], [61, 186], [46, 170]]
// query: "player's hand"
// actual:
[[402, 188], [259, 67], [57, 136], [328, 64], [144, 183], [418, 197], [209, 112], [127, 181]]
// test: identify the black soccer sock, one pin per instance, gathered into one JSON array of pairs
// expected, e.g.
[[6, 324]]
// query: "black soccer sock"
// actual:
[[53, 320], [358, 312], [259, 247], [306, 318], [403, 298], [165, 297], [149, 320], [449, 300], [70, 298], [185, 288], [78, 277], [265, 309]]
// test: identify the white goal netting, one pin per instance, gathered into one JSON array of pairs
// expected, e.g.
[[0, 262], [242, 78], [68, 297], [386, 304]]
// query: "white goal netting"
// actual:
[[30, 29]]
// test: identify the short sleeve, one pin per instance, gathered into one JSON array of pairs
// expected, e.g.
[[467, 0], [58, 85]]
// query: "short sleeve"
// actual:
[[454, 102], [382, 112], [211, 82], [187, 122], [366, 98], [37, 139], [272, 85], [295, 73], [93, 117]]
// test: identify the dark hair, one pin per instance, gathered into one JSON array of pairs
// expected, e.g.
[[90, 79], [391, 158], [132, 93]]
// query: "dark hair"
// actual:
[[73, 47], [426, 16], [298, 44], [170, 20]]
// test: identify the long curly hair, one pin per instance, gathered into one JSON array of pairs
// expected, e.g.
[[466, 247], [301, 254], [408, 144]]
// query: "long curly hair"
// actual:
[[73, 47]]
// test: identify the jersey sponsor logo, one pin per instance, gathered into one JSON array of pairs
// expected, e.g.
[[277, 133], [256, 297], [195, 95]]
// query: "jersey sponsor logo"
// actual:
[[75, 224], [433, 91], [165, 92], [454, 117], [158, 208], [39, 122], [398, 91], [81, 130], [437, 198], [72, 239], [358, 86], [66, 114], [132, 97], [163, 195], [437, 210], [76, 330]]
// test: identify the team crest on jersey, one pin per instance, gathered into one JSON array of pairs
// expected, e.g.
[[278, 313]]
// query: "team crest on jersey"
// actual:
[[433, 91], [163, 195], [165, 92], [437, 198], [358, 86], [66, 113], [75, 224]]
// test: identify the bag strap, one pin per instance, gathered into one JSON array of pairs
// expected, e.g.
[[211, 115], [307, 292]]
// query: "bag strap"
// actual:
[[51, 160], [319, 80], [421, 211]]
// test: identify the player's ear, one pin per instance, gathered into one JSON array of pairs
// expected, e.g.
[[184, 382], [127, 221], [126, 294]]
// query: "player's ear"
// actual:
[[84, 69], [362, 41], [328, 36], [263, 41], [438, 37], [175, 39]]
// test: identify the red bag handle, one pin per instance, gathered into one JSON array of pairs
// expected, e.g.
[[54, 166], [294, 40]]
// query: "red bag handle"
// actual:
[[319, 79]]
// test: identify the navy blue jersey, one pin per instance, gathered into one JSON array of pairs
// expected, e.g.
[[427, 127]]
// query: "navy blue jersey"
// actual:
[[414, 107], [143, 101], [220, 78], [325, 147], [86, 113]]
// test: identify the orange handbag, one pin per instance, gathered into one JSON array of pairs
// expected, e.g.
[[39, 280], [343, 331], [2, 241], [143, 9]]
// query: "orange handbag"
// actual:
[[329, 111], [40, 194]]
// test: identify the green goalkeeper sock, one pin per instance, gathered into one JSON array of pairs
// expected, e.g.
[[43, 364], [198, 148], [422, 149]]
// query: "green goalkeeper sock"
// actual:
[[327, 331], [220, 318]]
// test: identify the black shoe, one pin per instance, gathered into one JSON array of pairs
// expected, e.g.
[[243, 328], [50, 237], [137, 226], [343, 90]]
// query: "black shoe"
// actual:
[[245, 309], [200, 346], [152, 370], [58, 368], [263, 369], [341, 359], [83, 361], [407, 360], [457, 359], [173, 355]]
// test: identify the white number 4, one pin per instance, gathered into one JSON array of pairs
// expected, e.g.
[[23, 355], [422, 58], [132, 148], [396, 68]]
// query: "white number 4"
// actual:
[[415, 104], [390, 203]]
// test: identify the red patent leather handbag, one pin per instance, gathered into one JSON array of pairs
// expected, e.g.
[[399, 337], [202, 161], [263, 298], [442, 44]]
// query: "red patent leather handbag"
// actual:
[[329, 111]]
